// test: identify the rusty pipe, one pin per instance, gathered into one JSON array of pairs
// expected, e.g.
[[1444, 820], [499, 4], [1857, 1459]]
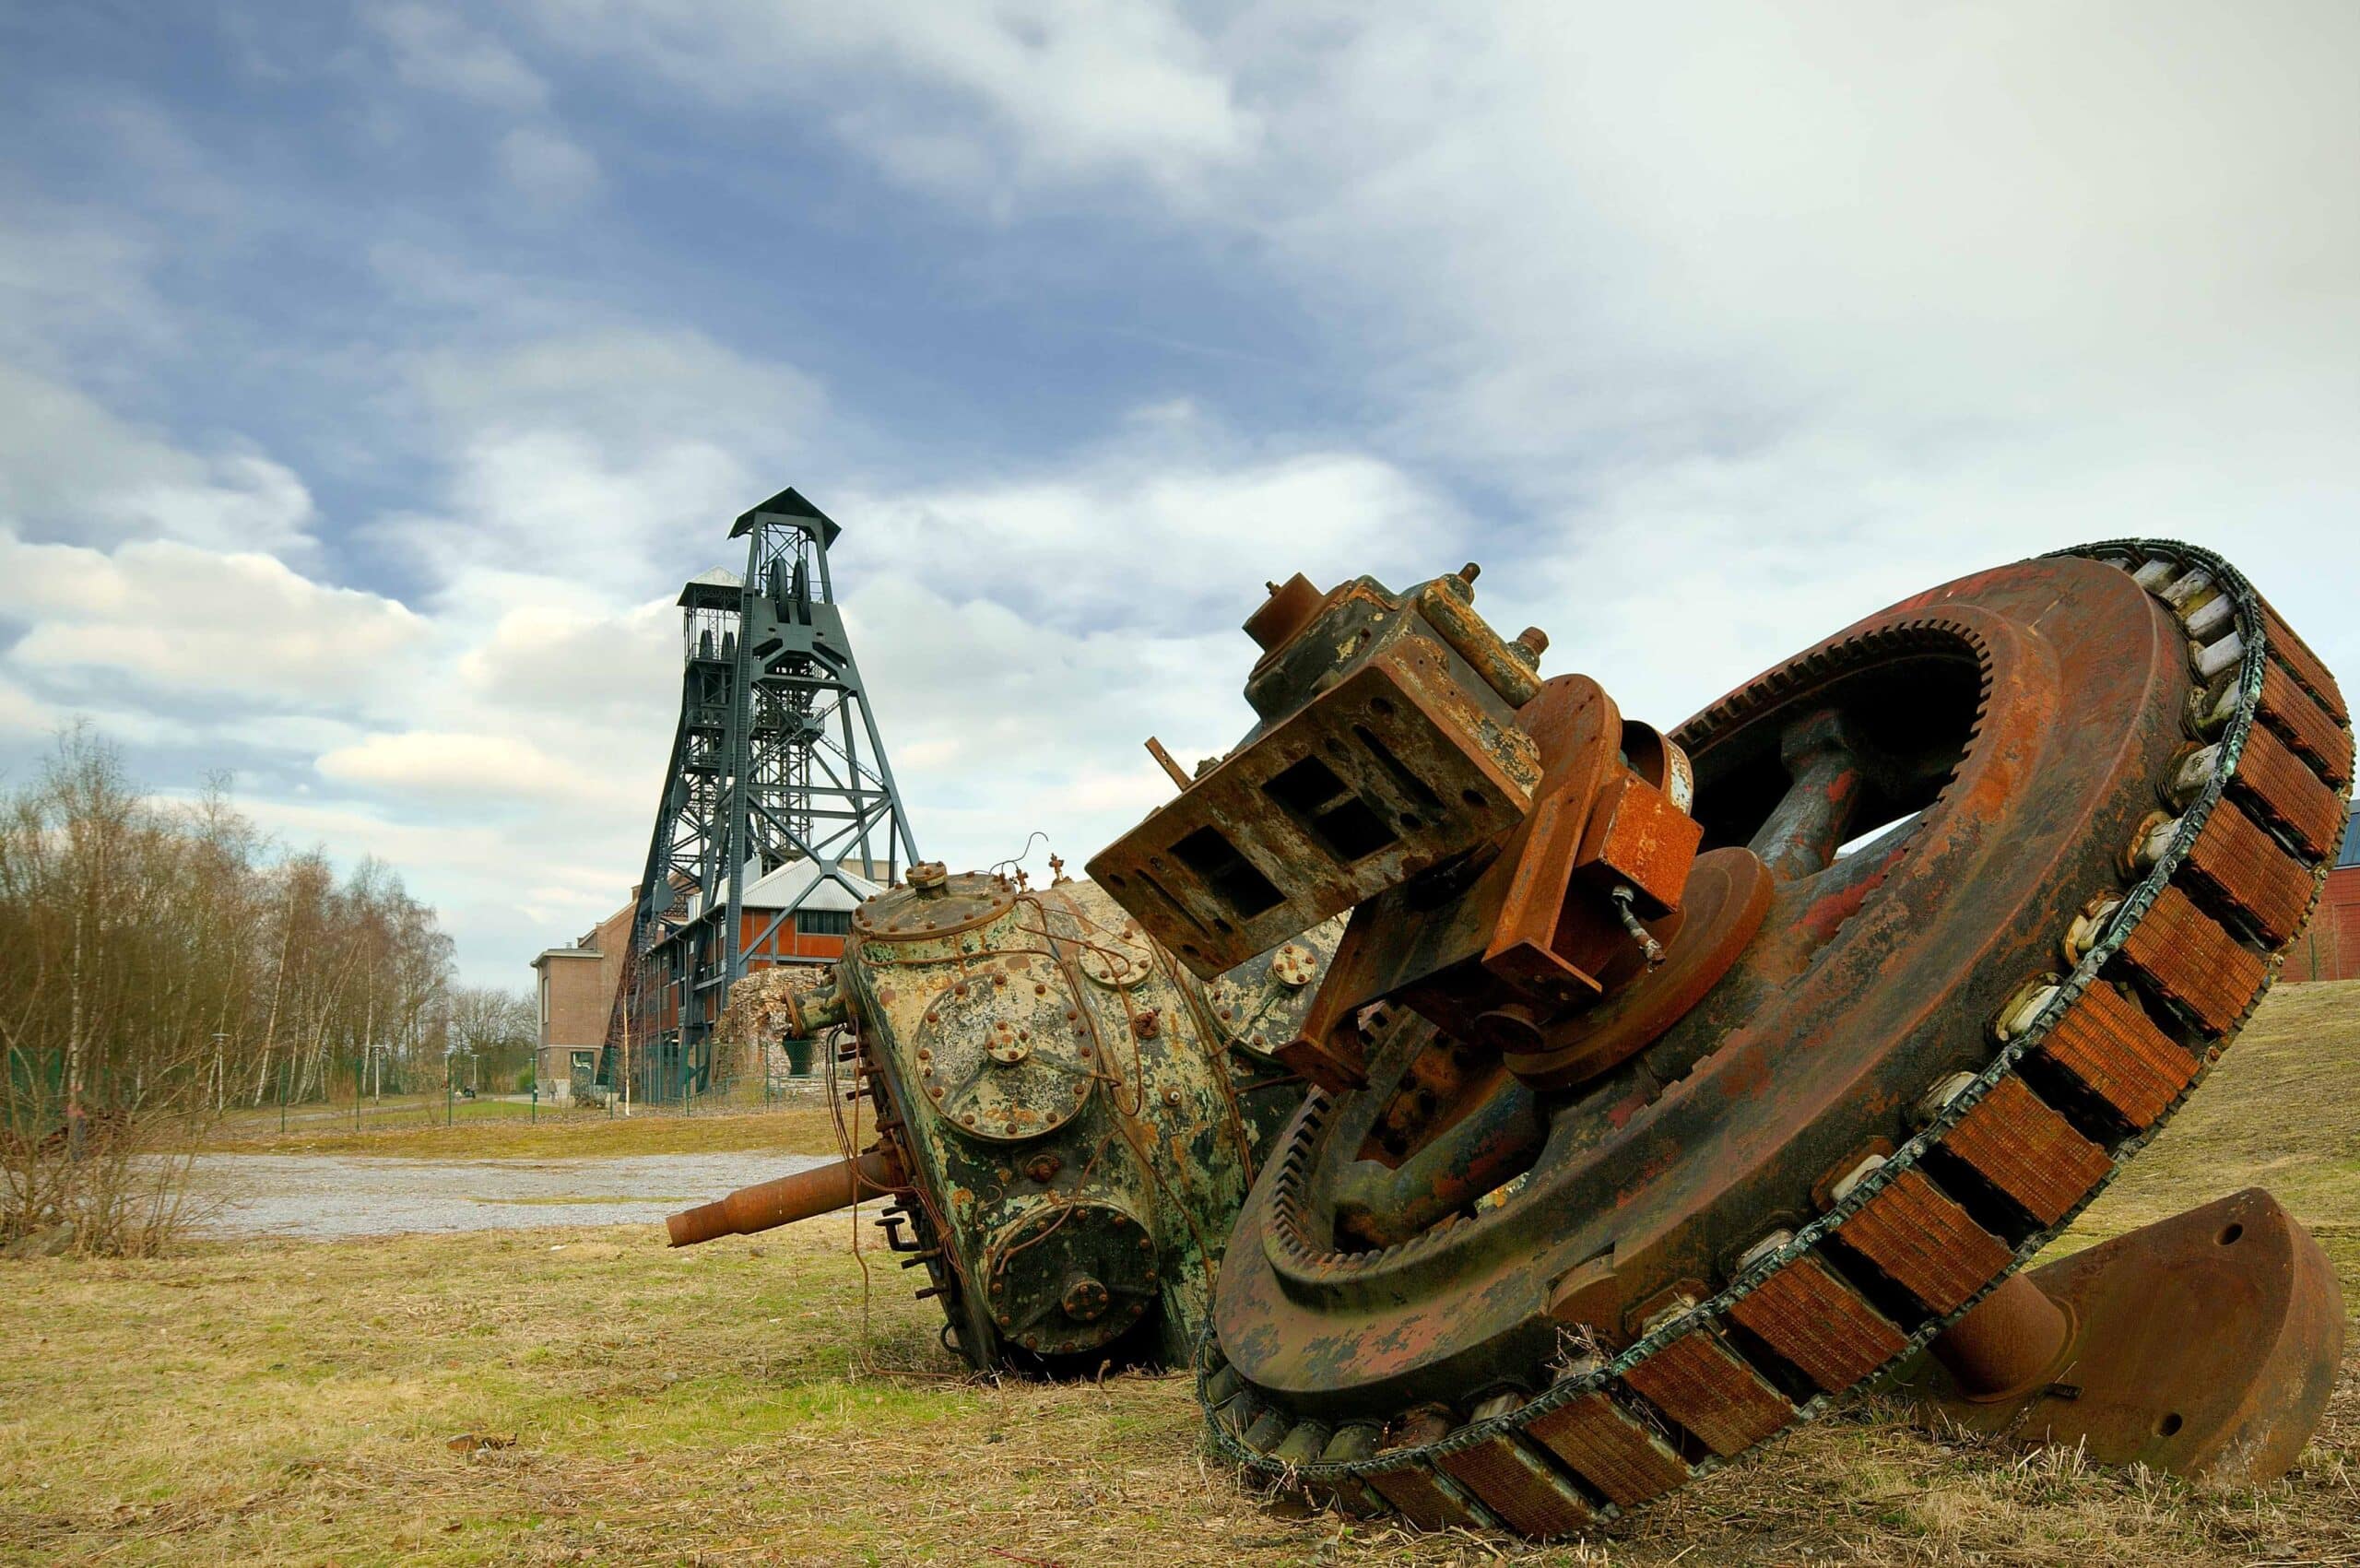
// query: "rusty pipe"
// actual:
[[811, 1014], [767, 1205]]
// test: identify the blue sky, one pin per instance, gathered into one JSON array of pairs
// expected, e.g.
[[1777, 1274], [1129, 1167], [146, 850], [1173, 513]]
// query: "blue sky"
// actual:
[[370, 374]]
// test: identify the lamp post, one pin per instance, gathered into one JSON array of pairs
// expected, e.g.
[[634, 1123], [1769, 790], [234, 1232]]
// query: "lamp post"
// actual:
[[450, 1081]]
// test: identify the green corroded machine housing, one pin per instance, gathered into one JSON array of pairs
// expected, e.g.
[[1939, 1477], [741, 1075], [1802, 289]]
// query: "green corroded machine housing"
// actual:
[[1065, 1119]]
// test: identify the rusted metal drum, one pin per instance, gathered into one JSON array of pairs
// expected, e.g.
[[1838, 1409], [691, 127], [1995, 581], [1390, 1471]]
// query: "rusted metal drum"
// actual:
[[1065, 1120], [2021, 852]]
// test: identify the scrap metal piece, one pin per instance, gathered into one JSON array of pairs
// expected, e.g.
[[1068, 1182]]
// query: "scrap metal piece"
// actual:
[[765, 1205], [1067, 1120], [1386, 744], [1877, 1101], [2206, 1345]]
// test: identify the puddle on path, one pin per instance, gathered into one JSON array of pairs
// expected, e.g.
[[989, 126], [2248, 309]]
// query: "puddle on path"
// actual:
[[327, 1196]]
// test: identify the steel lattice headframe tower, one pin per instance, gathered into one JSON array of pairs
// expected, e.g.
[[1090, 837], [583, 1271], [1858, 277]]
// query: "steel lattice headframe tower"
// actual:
[[776, 760]]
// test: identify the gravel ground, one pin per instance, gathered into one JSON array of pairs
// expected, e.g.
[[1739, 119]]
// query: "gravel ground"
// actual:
[[324, 1196]]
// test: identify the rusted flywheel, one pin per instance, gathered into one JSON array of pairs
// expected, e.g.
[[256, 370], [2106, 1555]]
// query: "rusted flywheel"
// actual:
[[1987, 883]]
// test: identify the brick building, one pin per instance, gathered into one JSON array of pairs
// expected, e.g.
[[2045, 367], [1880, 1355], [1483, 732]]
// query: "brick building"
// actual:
[[2330, 947], [791, 915], [575, 993]]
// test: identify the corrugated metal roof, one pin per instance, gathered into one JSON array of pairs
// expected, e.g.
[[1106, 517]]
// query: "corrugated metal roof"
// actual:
[[778, 890], [781, 886], [2350, 856]]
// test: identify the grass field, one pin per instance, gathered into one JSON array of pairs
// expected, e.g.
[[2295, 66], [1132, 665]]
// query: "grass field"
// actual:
[[546, 1396]]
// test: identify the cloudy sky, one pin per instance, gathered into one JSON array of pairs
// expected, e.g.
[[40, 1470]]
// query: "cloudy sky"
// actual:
[[371, 373]]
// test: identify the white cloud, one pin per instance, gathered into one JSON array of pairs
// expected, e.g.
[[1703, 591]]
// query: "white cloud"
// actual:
[[603, 458], [997, 724], [465, 769], [66, 278], [619, 668], [548, 171], [175, 617], [70, 468], [1161, 531], [1661, 218], [961, 98], [433, 49], [23, 713]]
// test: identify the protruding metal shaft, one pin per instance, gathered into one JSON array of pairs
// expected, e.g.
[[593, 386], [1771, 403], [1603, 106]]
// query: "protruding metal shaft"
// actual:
[[768, 1205], [2011, 1343], [1803, 832]]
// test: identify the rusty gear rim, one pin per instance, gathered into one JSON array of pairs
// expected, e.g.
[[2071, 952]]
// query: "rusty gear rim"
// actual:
[[1585, 1447]]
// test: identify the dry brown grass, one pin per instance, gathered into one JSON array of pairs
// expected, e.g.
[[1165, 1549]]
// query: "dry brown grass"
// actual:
[[801, 1128], [748, 1402]]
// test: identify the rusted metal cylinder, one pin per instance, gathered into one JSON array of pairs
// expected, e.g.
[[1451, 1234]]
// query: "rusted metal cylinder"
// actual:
[[765, 1205], [2010, 1344]]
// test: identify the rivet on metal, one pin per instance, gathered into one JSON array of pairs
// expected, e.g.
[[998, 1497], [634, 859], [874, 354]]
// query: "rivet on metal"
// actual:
[[1936, 1100], [1855, 1176], [1762, 1248]]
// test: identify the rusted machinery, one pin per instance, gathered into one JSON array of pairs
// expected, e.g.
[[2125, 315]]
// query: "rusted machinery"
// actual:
[[1066, 1120], [1671, 1087]]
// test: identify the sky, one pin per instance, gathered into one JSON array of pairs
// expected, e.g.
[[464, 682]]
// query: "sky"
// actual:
[[373, 372]]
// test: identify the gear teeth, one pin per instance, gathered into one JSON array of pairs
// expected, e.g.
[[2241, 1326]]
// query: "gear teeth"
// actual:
[[2193, 963], [1269, 1430], [2304, 725], [2241, 866], [2170, 950], [1818, 1324], [1520, 1487], [1617, 1453], [2296, 656], [1711, 1392], [2107, 1044], [1350, 1445], [2281, 790], [1922, 1240], [1303, 1446], [2016, 1142], [1430, 1500]]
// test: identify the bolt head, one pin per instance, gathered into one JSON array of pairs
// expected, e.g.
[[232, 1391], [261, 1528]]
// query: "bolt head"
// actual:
[[1085, 1299]]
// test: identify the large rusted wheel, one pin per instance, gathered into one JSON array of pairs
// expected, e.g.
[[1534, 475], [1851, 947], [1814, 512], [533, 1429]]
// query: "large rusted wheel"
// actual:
[[2030, 842]]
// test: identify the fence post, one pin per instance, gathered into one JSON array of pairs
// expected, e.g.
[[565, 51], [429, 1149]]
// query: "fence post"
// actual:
[[534, 1114]]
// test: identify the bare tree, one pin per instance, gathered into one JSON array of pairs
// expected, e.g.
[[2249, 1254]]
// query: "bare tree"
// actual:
[[497, 1030], [166, 965]]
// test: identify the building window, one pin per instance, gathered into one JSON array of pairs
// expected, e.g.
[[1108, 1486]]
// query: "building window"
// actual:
[[825, 922], [583, 1061]]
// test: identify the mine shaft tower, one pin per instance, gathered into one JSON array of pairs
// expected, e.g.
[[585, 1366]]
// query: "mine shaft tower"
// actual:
[[776, 760]]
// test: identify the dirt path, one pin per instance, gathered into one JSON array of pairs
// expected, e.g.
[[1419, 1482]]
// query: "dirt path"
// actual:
[[315, 1196]]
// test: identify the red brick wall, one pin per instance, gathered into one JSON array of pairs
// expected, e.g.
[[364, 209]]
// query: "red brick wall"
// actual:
[[784, 943], [2330, 947], [577, 1007]]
